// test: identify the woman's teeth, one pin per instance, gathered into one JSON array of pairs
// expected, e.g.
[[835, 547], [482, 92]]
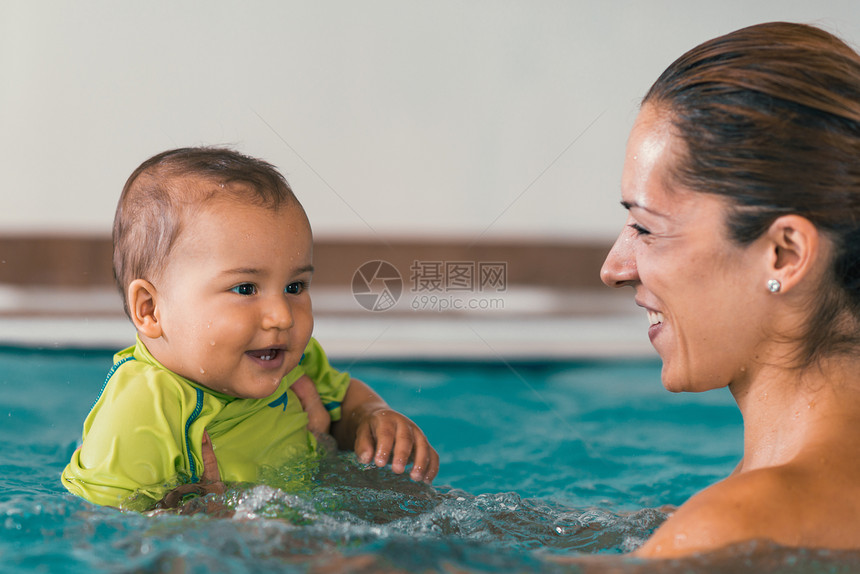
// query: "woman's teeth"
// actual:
[[654, 317]]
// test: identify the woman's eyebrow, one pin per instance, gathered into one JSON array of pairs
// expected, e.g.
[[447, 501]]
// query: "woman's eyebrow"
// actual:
[[628, 205]]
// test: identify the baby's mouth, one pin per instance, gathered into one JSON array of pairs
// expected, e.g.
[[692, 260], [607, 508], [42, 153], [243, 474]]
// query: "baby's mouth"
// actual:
[[266, 355]]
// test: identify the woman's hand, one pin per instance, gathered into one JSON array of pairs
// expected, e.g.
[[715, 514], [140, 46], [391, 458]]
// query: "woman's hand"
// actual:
[[210, 481]]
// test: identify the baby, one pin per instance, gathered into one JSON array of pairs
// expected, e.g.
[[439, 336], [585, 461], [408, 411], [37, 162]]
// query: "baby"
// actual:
[[214, 257]]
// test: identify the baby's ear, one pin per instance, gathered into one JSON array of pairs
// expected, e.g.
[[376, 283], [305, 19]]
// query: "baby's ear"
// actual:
[[142, 308]]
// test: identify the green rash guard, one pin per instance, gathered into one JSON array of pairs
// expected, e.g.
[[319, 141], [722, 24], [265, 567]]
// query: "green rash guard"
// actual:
[[144, 433]]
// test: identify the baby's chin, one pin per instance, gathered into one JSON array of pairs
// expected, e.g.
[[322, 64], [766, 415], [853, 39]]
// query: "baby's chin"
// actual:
[[252, 392], [264, 391]]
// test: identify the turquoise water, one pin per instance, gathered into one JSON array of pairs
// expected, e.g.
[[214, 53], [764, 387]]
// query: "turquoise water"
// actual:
[[539, 461]]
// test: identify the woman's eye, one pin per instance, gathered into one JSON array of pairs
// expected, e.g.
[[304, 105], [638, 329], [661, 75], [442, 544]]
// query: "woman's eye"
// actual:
[[639, 229], [245, 289]]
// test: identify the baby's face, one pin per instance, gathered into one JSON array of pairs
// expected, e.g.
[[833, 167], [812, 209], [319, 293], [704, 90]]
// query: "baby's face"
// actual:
[[233, 300]]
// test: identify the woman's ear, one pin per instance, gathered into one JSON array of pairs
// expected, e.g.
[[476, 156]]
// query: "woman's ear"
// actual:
[[142, 307], [796, 250]]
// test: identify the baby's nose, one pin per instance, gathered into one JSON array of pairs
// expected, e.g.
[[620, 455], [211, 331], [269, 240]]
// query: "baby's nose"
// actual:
[[278, 315]]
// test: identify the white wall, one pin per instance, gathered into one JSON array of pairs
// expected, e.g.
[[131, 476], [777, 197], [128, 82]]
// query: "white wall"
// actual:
[[447, 118]]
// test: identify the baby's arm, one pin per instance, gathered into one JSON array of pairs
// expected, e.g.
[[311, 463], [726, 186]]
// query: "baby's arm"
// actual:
[[130, 446], [378, 433], [319, 420]]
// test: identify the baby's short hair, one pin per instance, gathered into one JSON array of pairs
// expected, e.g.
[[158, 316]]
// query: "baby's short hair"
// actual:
[[169, 186]]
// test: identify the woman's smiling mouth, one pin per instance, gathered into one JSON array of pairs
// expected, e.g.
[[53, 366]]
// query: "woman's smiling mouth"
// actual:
[[654, 317], [655, 320]]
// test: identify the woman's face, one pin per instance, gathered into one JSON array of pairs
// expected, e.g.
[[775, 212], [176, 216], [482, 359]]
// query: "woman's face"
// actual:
[[700, 290]]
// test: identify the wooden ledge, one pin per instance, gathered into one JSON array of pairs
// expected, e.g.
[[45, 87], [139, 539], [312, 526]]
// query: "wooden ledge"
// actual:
[[80, 261]]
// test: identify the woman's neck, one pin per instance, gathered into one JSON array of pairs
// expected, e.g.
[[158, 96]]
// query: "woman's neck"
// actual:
[[788, 411]]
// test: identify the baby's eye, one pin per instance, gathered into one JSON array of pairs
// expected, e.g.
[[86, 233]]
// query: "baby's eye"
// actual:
[[295, 288], [639, 229], [245, 289]]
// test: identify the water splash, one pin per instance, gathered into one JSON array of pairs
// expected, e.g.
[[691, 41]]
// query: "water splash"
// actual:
[[337, 515], [349, 507], [526, 501]]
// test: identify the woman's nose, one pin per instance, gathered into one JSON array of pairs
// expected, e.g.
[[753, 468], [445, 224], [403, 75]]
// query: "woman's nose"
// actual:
[[278, 314], [619, 268]]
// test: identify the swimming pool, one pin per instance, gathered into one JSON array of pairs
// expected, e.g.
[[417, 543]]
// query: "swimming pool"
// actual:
[[538, 460]]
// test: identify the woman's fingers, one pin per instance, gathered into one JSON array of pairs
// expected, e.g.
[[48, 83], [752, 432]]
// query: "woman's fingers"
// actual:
[[210, 463]]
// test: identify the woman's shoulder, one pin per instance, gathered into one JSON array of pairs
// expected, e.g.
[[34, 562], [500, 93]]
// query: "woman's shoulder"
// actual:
[[784, 504]]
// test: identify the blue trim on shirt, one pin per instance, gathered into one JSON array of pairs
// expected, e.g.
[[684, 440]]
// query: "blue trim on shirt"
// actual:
[[282, 400], [109, 375], [197, 408], [332, 405]]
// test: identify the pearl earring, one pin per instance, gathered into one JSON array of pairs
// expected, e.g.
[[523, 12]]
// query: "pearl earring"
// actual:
[[773, 285]]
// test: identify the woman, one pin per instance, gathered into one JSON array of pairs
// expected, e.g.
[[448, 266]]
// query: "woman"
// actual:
[[742, 243]]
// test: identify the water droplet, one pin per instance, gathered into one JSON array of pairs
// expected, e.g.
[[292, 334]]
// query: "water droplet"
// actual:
[[212, 343], [202, 371]]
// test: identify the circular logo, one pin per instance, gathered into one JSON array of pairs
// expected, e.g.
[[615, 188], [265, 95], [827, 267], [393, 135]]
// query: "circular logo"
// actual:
[[377, 285]]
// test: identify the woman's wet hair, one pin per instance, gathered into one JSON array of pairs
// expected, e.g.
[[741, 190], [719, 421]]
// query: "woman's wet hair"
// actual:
[[770, 118], [169, 187]]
